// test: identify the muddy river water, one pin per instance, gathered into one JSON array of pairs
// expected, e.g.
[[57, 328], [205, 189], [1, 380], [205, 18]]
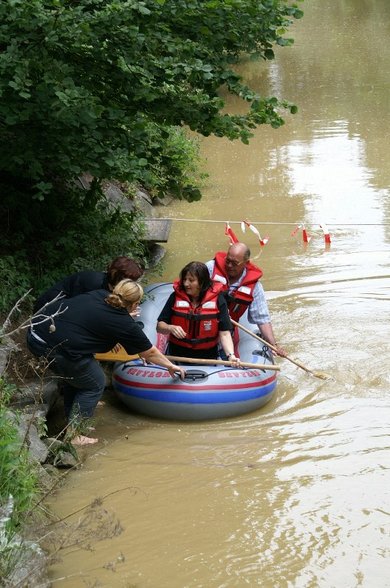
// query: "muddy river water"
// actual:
[[295, 494]]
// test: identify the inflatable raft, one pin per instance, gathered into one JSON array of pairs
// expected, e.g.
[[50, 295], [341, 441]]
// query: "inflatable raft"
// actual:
[[208, 391]]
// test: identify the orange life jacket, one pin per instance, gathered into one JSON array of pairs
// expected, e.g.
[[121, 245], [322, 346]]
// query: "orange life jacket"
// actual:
[[239, 299], [201, 323]]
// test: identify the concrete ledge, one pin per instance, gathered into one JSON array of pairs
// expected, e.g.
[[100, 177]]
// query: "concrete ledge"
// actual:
[[157, 230]]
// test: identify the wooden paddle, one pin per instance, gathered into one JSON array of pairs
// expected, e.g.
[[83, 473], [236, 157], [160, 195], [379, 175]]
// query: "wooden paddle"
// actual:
[[119, 354], [116, 354], [257, 366], [320, 375]]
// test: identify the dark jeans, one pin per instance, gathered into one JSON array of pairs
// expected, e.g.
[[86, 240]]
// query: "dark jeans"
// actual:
[[82, 381]]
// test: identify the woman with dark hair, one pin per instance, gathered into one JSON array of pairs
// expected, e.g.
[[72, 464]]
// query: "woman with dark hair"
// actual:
[[195, 316], [90, 323], [120, 268]]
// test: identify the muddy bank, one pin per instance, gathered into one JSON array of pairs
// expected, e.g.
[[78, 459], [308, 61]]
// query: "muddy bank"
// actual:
[[36, 412]]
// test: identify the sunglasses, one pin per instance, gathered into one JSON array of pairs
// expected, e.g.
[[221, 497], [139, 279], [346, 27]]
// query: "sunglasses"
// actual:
[[233, 262]]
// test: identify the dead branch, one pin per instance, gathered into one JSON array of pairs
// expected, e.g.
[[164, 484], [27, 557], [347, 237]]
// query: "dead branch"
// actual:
[[40, 316], [7, 321]]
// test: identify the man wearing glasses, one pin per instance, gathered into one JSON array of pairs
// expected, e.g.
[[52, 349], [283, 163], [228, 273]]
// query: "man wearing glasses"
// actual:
[[243, 290]]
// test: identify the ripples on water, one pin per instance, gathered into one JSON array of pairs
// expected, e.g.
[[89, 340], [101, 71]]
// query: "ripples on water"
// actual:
[[292, 495]]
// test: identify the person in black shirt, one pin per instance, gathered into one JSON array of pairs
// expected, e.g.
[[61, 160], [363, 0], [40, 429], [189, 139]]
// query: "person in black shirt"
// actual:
[[119, 269], [195, 316], [71, 331]]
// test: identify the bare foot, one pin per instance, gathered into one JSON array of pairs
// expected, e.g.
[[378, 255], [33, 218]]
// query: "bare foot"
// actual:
[[81, 440]]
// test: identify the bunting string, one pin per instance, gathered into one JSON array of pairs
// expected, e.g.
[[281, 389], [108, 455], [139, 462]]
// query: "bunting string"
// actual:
[[246, 224], [261, 222]]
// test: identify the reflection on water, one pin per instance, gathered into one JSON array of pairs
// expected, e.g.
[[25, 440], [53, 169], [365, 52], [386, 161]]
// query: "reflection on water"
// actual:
[[332, 167], [295, 494]]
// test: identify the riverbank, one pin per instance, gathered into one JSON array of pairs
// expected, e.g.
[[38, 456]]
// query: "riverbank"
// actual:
[[29, 397]]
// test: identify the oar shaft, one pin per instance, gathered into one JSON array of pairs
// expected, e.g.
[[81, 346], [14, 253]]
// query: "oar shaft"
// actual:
[[298, 363], [123, 356], [257, 366]]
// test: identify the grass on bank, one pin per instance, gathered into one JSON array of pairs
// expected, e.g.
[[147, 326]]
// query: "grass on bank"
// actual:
[[19, 483]]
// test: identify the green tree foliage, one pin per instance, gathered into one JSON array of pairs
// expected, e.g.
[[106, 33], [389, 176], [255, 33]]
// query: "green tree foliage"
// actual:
[[70, 230], [109, 87], [97, 85]]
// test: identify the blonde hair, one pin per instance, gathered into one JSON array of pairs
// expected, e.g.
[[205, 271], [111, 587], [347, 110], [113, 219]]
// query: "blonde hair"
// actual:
[[126, 294]]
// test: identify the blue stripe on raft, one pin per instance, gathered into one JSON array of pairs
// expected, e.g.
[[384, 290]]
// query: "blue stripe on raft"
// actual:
[[196, 397]]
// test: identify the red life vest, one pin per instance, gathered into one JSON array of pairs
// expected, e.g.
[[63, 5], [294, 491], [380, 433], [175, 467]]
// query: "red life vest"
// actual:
[[239, 299], [201, 323]]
